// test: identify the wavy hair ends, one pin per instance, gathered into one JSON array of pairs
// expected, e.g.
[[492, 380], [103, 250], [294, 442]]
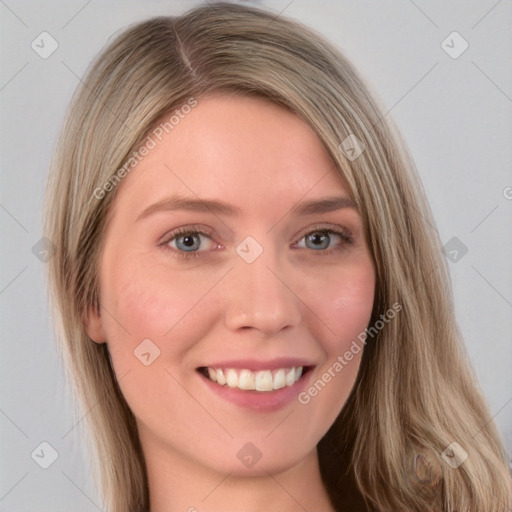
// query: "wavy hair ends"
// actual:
[[414, 394]]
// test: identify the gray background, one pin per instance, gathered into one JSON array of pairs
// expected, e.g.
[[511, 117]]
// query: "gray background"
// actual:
[[455, 115]]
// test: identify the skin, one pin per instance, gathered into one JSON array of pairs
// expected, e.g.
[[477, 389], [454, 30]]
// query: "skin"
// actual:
[[295, 300]]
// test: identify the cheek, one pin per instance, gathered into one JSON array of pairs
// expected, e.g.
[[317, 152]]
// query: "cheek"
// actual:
[[148, 302], [345, 308], [345, 305]]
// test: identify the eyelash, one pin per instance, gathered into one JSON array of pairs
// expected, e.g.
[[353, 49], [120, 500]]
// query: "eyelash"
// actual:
[[345, 235], [181, 232]]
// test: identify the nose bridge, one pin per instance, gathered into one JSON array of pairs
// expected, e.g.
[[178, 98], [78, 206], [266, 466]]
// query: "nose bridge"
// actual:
[[259, 294]]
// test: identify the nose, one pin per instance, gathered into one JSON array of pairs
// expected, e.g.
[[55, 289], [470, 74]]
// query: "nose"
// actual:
[[261, 297]]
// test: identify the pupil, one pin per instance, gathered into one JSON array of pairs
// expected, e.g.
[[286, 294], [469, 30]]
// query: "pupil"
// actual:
[[189, 242], [319, 240]]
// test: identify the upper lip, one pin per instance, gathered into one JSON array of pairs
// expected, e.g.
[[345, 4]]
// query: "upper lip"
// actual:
[[257, 364]]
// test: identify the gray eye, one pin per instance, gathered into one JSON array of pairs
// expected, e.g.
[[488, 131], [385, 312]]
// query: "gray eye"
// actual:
[[318, 240], [189, 242]]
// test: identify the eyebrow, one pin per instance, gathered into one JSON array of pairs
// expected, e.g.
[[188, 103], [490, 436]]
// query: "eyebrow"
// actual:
[[325, 205], [316, 206], [191, 204]]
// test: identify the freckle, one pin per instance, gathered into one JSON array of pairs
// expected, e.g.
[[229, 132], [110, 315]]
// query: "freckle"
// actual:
[[341, 305]]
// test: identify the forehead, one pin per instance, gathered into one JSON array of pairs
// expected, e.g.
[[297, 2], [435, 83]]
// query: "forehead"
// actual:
[[244, 150]]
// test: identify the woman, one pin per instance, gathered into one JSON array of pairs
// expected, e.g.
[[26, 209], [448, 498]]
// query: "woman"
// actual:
[[252, 300]]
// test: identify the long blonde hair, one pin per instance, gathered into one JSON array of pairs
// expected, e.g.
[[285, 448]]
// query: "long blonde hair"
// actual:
[[414, 394]]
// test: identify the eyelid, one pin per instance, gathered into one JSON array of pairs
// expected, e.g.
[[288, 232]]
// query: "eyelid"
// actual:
[[345, 234], [342, 231], [184, 230], [347, 240]]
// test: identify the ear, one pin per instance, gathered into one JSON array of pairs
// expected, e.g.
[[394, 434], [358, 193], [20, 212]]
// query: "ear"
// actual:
[[94, 324]]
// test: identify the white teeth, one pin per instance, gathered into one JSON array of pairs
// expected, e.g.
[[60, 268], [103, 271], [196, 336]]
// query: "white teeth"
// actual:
[[279, 379], [290, 377], [246, 380], [232, 378], [263, 380], [220, 377]]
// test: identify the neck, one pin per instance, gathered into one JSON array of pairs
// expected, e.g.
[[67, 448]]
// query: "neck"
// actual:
[[180, 484]]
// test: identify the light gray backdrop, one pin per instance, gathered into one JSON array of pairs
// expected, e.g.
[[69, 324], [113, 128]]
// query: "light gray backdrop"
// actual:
[[453, 107]]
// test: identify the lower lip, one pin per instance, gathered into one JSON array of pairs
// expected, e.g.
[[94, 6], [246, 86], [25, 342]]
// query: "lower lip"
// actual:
[[261, 401]]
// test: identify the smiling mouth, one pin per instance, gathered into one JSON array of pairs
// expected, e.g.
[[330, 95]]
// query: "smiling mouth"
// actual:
[[248, 380]]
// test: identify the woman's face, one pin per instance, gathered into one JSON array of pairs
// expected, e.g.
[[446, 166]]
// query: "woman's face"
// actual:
[[233, 252]]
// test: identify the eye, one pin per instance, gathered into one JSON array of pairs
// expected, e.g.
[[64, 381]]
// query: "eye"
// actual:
[[325, 240], [318, 240], [190, 241]]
